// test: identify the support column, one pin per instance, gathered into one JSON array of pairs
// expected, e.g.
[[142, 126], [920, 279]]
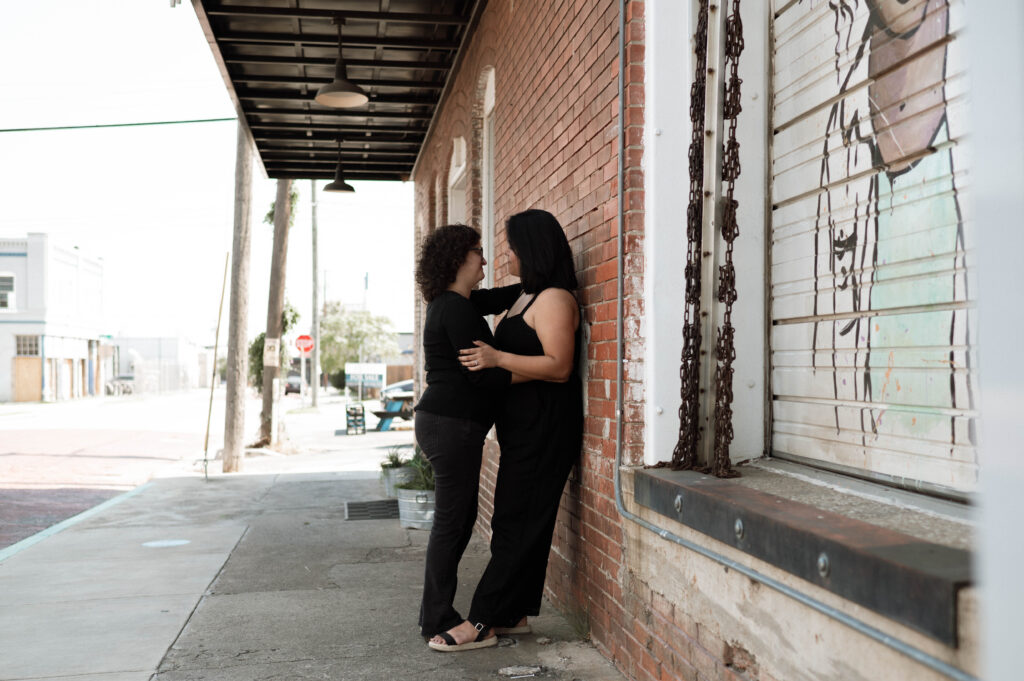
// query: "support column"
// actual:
[[238, 315]]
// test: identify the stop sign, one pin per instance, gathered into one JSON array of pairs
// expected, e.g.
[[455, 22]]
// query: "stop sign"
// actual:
[[304, 343]]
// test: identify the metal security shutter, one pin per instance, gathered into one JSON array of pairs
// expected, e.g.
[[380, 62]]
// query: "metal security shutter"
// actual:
[[871, 282]]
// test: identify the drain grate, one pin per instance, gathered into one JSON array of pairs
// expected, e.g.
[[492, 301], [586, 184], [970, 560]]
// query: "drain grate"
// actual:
[[381, 509]]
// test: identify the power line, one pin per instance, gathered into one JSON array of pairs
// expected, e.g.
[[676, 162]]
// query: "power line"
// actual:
[[119, 125]]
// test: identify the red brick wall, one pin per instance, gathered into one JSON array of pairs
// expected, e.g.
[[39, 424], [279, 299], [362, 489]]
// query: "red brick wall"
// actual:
[[556, 116]]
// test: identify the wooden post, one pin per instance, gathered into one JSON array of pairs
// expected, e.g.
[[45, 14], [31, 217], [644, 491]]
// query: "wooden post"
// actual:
[[275, 306], [238, 315]]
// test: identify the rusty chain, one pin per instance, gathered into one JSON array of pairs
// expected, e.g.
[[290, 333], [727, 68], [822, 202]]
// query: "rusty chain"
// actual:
[[685, 454], [725, 348]]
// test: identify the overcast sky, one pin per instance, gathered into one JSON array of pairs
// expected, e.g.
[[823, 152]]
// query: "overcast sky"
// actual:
[[156, 202]]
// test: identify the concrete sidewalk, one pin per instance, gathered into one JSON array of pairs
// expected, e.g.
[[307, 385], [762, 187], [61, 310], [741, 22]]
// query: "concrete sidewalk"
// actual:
[[252, 576]]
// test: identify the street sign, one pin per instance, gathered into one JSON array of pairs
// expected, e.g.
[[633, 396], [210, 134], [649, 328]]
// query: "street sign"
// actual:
[[304, 343], [271, 352], [366, 375]]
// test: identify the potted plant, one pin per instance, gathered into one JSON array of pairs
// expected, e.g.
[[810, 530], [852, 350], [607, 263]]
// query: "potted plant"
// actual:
[[395, 469], [416, 497]]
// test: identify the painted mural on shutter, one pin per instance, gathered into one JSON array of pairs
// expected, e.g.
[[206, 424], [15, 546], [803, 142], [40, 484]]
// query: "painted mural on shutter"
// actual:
[[871, 282]]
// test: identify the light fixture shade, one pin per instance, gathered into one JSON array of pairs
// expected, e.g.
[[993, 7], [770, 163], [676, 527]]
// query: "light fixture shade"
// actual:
[[339, 184], [341, 93]]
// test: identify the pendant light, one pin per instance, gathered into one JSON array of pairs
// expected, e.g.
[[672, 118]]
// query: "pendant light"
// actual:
[[341, 93], [339, 184]]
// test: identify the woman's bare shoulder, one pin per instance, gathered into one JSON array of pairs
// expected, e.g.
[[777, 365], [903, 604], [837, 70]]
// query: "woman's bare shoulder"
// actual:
[[557, 302], [556, 297]]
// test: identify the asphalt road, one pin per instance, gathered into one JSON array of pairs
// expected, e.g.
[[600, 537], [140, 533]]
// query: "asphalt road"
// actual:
[[57, 460]]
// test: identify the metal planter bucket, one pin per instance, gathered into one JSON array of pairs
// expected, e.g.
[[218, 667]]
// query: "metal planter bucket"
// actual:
[[416, 508], [396, 476]]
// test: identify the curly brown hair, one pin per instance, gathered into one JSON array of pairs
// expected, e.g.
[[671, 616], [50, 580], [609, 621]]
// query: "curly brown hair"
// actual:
[[441, 255]]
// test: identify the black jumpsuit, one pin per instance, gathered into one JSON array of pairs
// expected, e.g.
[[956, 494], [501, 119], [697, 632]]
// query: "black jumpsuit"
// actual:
[[540, 431]]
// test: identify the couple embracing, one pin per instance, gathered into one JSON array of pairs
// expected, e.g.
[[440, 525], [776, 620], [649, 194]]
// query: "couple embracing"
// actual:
[[523, 380]]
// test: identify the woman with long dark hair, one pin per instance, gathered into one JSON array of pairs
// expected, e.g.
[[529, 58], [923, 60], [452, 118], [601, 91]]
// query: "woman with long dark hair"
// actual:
[[454, 413], [539, 424]]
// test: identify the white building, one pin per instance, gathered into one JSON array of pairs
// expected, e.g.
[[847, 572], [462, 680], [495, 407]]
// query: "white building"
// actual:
[[51, 307]]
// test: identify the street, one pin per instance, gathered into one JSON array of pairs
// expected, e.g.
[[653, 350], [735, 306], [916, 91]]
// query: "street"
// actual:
[[57, 460]]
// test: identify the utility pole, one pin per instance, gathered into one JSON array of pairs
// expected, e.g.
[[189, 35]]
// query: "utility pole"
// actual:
[[234, 417], [314, 374], [275, 306]]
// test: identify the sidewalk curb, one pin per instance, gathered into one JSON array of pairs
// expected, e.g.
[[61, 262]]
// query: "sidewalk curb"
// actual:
[[65, 524]]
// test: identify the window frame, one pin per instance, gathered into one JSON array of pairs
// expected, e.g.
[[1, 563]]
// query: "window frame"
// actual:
[[27, 341], [458, 183], [9, 299]]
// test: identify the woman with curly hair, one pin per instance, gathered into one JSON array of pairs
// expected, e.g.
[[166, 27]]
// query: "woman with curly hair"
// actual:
[[454, 414]]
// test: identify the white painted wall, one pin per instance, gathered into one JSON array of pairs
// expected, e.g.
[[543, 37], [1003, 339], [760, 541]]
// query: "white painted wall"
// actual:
[[997, 57], [669, 58], [669, 70]]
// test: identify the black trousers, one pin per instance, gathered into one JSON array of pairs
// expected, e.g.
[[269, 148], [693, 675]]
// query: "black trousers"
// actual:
[[527, 495], [454, 447]]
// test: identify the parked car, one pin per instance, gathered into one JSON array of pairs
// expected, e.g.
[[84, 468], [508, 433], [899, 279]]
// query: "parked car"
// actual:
[[398, 391], [293, 384], [122, 385]]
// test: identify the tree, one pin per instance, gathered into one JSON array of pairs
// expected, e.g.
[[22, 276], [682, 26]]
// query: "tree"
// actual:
[[293, 198], [282, 215], [289, 317], [353, 336]]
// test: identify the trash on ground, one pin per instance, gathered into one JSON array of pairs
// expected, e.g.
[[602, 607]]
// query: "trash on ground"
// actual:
[[520, 671]]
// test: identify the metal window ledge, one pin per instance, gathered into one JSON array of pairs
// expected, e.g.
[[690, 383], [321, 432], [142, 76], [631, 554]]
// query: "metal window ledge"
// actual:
[[907, 579]]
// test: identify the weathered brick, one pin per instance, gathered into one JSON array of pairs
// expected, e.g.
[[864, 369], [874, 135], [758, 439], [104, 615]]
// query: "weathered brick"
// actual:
[[556, 148]]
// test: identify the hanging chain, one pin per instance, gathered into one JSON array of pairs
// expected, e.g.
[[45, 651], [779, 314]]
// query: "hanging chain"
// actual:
[[725, 348], [684, 456]]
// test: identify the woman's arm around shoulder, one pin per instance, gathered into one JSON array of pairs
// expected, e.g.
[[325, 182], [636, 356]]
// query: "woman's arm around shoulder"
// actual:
[[555, 317], [495, 300]]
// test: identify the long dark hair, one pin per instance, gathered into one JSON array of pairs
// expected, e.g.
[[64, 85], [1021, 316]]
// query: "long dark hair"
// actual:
[[545, 259], [441, 255]]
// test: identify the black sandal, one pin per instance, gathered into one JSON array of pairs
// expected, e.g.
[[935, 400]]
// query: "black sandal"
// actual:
[[481, 641]]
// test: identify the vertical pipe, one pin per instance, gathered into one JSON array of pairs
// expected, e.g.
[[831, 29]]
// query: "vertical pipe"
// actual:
[[314, 373], [619, 249]]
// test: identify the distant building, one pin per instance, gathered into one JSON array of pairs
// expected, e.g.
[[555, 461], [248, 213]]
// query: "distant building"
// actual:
[[406, 344], [51, 305], [161, 364]]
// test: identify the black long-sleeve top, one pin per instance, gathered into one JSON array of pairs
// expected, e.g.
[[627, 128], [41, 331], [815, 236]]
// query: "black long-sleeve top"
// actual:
[[453, 323]]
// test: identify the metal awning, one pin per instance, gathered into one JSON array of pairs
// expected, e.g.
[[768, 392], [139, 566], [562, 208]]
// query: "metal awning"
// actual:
[[275, 54]]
